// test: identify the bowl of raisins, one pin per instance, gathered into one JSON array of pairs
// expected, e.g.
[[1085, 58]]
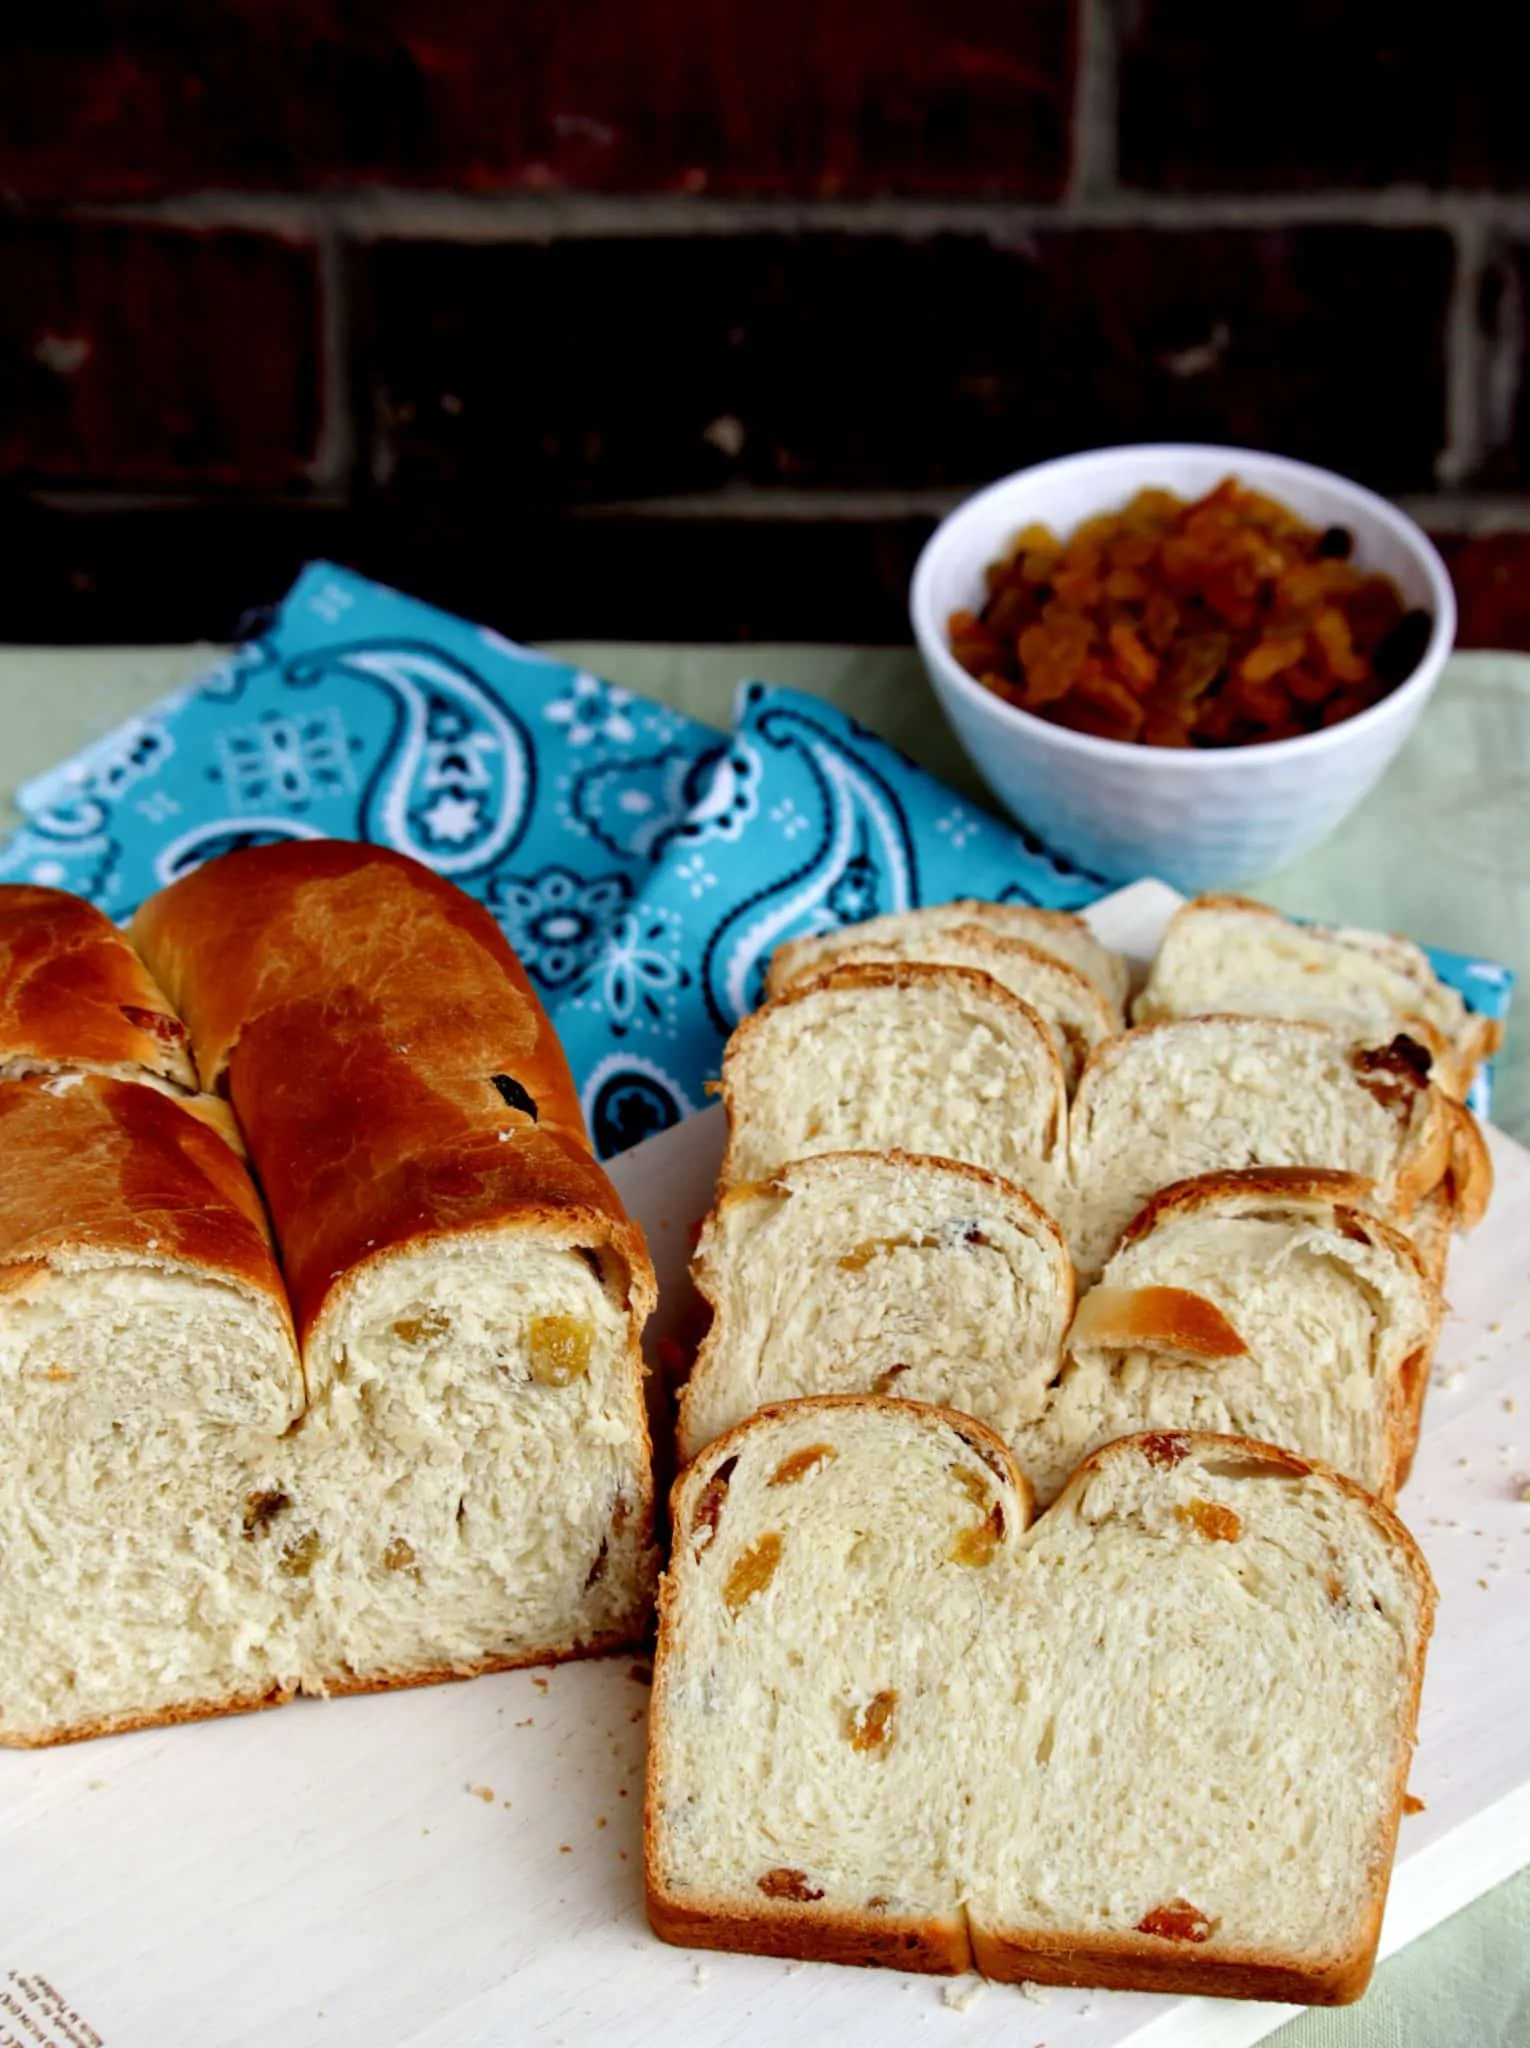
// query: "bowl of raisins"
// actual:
[[1190, 662]]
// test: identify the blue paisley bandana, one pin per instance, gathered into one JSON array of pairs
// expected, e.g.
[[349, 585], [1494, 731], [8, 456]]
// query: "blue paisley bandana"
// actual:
[[643, 866]]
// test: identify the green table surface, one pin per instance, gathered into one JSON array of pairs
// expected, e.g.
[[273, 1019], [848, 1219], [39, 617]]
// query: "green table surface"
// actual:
[[1440, 850]]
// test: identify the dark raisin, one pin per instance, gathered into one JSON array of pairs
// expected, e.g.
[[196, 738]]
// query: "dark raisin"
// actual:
[[1403, 1056], [1399, 652], [597, 1567], [155, 1022], [709, 1507], [1335, 544], [1163, 1447], [260, 1511], [973, 1236], [514, 1094], [789, 1884]]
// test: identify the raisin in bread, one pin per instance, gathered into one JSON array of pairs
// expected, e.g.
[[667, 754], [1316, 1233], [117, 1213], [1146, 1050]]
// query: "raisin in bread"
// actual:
[[1057, 933], [914, 1058], [1070, 1003], [1224, 953], [877, 1272], [1159, 1739], [1166, 1102]]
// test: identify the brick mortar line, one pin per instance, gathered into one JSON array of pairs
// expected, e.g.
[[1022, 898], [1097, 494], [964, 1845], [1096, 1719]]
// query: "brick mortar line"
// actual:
[[1465, 421], [1092, 174], [1455, 512], [335, 448], [398, 213]]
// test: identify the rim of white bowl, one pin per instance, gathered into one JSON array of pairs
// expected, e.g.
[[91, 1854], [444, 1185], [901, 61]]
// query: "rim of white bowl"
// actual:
[[930, 632]]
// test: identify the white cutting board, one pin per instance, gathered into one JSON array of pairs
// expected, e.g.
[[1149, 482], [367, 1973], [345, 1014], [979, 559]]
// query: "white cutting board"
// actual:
[[334, 1873]]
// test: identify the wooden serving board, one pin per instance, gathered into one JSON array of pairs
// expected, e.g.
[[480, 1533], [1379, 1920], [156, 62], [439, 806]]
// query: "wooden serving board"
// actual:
[[461, 1867]]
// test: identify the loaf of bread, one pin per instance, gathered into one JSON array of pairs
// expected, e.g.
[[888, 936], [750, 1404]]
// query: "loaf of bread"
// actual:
[[1057, 933], [1269, 1303], [1224, 953], [878, 1272], [912, 1058], [1166, 1102], [470, 1487], [1079, 1015], [1158, 1740], [147, 1359]]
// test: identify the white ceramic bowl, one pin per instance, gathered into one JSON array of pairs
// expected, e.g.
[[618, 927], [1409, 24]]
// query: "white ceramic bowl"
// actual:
[[1199, 818]]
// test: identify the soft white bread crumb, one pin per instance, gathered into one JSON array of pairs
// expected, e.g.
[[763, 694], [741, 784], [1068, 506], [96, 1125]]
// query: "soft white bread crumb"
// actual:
[[1057, 932], [925, 1059], [1226, 954], [1170, 1101], [1160, 1737], [858, 1272], [1069, 1003]]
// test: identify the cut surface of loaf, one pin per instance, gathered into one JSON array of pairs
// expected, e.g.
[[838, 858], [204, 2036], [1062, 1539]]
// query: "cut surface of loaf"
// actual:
[[1166, 1102], [1078, 1016], [147, 1366], [1158, 1739], [860, 1272], [1227, 954], [914, 1058], [471, 1486], [1055, 932], [1271, 1303]]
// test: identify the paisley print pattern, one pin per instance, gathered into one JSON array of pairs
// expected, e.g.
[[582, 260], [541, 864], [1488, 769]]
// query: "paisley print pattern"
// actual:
[[643, 866]]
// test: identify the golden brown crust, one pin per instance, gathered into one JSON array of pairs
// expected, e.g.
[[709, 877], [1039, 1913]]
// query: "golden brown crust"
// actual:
[[73, 993], [908, 974], [939, 1948], [1470, 1171], [1133, 1962], [1317, 1185], [394, 1071], [98, 1169]]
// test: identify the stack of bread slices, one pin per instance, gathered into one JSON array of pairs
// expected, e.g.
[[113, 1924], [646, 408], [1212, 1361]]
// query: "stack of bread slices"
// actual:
[[980, 1248], [319, 1324]]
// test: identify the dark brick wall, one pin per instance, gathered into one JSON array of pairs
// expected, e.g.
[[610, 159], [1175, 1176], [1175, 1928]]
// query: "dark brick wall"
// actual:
[[686, 320]]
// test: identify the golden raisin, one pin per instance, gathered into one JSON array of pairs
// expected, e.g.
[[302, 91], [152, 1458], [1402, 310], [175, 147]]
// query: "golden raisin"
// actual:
[[789, 1884], [873, 1729], [421, 1329], [399, 1555], [886, 1381], [709, 1506], [260, 1510], [300, 1555], [973, 1484], [752, 1572], [977, 1546], [1211, 1520], [1178, 1920], [800, 1463], [560, 1349]]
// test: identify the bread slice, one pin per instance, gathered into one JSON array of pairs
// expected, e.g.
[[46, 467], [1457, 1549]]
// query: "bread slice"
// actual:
[[1071, 1004], [1227, 954], [1057, 933], [1166, 1102], [1272, 1303], [471, 1486], [1158, 1740], [862, 1272], [914, 1058], [148, 1368]]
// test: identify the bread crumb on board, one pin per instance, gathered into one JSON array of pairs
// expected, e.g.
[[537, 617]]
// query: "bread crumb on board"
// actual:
[[962, 1993], [699, 1974], [483, 1792], [1036, 1993], [1412, 1803]]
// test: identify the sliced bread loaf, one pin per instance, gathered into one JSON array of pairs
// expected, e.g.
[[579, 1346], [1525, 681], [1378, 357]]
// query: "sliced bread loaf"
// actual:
[[1166, 1102], [914, 1058], [878, 1272], [1227, 954], [1160, 1739]]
